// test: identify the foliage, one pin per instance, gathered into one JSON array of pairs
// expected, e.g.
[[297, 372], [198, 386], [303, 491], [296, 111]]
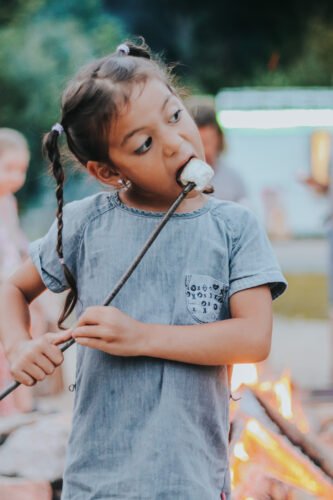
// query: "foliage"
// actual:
[[314, 64], [219, 44], [39, 52], [223, 43]]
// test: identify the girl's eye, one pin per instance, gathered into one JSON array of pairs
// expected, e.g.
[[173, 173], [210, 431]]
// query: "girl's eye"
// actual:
[[145, 146], [176, 116]]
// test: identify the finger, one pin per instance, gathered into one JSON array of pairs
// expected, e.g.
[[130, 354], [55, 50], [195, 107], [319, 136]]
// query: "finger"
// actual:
[[23, 378], [94, 343], [61, 337], [46, 365], [91, 315], [30, 381], [53, 353], [35, 372], [89, 331]]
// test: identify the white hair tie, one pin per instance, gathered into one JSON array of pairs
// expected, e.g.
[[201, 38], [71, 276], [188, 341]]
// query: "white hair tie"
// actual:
[[57, 127], [123, 49]]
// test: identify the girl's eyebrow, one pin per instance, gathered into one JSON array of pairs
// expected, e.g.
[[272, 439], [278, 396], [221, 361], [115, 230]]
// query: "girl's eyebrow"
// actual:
[[130, 134]]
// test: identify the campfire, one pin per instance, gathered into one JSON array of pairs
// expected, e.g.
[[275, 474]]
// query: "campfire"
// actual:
[[273, 454]]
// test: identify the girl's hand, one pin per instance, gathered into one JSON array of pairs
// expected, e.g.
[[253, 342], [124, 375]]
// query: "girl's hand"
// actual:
[[110, 330], [33, 360]]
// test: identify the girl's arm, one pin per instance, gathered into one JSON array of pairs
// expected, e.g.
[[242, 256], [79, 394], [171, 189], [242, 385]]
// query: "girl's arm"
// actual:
[[244, 338], [29, 360]]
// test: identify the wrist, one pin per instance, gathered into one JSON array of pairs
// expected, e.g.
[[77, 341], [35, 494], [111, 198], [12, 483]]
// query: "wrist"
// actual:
[[10, 346], [145, 343]]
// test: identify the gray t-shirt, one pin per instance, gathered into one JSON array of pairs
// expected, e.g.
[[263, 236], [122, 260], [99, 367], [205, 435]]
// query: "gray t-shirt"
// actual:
[[146, 428], [228, 183]]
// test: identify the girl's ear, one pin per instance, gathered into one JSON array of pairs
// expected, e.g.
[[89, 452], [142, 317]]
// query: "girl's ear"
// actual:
[[103, 173]]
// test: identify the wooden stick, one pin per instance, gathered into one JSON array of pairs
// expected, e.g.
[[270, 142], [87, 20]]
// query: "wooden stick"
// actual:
[[126, 275]]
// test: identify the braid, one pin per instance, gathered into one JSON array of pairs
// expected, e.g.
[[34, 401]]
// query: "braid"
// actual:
[[52, 150]]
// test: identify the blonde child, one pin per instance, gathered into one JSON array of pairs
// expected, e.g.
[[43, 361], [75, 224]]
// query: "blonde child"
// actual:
[[14, 160], [151, 405]]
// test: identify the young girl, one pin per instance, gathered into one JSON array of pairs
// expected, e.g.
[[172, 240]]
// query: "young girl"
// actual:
[[151, 406]]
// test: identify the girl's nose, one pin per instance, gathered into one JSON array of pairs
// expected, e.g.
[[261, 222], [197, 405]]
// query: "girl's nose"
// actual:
[[172, 143]]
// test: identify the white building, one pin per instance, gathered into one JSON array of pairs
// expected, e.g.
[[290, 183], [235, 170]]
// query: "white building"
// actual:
[[274, 137]]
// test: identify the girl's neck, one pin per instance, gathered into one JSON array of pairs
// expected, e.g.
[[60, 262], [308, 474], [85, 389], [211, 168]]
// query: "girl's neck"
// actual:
[[133, 199]]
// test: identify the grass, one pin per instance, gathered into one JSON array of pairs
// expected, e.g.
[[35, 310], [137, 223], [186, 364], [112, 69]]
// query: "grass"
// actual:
[[306, 297]]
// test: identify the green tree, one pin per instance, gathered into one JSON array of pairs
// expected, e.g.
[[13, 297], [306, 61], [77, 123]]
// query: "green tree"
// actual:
[[313, 65], [39, 52], [223, 43]]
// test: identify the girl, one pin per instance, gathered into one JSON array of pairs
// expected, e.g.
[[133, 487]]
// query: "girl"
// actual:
[[151, 407]]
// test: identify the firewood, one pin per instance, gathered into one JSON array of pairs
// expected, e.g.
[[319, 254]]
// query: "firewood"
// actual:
[[306, 444]]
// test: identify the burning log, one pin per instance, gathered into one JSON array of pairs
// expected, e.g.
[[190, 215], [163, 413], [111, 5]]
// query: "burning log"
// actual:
[[287, 463], [296, 437], [261, 455], [272, 455]]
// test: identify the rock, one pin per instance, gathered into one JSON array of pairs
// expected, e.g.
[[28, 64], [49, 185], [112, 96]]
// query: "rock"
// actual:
[[36, 451]]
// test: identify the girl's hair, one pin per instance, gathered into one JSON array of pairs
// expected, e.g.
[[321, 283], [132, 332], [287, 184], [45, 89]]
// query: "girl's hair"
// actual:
[[89, 106]]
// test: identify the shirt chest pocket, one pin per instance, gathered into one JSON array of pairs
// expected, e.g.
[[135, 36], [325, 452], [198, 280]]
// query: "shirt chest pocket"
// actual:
[[206, 298]]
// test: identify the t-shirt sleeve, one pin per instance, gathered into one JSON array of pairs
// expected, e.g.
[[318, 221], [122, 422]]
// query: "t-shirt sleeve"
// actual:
[[44, 255], [252, 260]]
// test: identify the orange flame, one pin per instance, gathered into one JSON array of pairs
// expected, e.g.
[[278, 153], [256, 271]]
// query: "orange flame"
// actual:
[[243, 374], [282, 390], [284, 462], [240, 452]]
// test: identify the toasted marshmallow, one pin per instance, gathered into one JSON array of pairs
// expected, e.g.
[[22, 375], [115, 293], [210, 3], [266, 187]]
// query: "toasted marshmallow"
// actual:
[[197, 171]]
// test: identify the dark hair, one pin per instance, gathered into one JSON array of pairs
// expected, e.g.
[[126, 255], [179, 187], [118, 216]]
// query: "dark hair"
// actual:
[[89, 104], [205, 116]]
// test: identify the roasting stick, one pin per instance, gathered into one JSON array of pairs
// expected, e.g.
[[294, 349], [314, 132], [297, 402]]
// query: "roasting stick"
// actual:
[[195, 175]]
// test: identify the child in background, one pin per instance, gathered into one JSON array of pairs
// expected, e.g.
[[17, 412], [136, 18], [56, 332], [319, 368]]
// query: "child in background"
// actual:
[[151, 405], [14, 160], [227, 183]]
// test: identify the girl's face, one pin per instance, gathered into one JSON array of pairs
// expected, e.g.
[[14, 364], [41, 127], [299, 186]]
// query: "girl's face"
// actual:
[[152, 140], [13, 168]]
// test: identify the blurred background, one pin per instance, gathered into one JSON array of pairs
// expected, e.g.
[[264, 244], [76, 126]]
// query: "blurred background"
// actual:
[[267, 70]]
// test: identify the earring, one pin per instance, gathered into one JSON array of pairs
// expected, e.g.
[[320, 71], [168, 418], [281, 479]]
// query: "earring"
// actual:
[[122, 183]]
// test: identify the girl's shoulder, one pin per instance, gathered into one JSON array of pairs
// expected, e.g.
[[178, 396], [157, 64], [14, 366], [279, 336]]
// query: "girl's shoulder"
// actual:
[[80, 212], [93, 204], [234, 216]]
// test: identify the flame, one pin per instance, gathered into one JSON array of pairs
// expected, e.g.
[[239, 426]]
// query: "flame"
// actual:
[[240, 452], [243, 374], [232, 478], [266, 386], [284, 462], [282, 390], [289, 407]]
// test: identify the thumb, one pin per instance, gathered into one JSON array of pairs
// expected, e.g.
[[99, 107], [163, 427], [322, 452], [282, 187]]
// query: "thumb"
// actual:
[[61, 337]]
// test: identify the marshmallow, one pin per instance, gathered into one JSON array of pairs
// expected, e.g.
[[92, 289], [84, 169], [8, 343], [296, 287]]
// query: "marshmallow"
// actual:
[[197, 171]]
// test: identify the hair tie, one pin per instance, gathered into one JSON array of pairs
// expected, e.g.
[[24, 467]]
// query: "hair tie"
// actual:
[[62, 261], [123, 49], [57, 127]]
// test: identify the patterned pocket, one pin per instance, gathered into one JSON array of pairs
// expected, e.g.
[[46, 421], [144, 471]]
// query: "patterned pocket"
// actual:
[[205, 297]]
